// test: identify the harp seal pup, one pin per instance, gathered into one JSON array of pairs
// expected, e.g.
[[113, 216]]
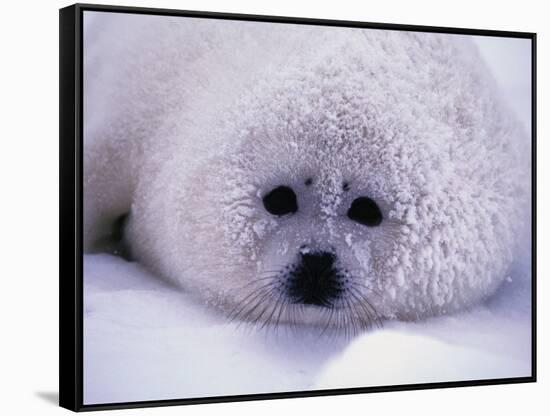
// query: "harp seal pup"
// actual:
[[282, 173]]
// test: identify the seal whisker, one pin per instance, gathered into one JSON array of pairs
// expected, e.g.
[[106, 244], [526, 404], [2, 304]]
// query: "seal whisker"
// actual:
[[365, 323], [249, 310], [265, 306], [256, 281], [275, 304], [364, 301], [246, 302]]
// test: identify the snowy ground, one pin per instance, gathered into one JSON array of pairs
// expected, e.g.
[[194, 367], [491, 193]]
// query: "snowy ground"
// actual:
[[146, 340]]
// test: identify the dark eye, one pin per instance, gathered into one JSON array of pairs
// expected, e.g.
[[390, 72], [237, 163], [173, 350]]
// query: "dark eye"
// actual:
[[365, 211], [281, 201]]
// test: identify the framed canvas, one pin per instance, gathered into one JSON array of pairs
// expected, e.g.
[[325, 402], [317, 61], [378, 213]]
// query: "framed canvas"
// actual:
[[257, 207]]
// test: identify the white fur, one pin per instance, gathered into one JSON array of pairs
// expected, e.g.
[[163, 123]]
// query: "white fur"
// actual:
[[189, 122]]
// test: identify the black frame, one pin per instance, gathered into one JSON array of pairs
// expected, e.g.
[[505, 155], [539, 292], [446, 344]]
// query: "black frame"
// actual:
[[70, 210]]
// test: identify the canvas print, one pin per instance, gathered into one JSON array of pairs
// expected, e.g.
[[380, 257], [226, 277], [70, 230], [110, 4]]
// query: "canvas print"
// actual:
[[275, 207]]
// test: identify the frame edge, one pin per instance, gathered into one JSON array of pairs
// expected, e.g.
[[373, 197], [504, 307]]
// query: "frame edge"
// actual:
[[70, 268], [534, 207], [70, 351], [301, 20]]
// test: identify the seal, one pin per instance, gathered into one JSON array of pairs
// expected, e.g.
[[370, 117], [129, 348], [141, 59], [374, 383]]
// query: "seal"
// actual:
[[312, 175]]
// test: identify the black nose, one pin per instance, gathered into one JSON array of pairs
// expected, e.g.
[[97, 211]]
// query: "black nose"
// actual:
[[315, 280]]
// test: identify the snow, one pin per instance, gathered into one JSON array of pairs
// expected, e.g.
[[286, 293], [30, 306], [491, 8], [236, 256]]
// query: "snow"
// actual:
[[147, 340]]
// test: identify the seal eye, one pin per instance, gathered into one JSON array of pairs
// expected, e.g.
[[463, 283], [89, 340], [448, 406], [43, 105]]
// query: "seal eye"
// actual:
[[365, 211], [281, 201]]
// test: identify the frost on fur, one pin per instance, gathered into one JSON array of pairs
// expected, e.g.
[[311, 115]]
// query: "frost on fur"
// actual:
[[200, 130]]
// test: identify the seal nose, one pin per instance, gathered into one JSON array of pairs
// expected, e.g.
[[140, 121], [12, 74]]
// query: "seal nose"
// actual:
[[315, 280], [317, 262]]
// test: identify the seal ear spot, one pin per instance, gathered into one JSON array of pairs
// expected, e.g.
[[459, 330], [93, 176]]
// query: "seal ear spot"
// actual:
[[308, 181], [345, 186]]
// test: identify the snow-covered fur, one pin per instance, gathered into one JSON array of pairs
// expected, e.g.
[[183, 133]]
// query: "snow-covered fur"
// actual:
[[190, 122]]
